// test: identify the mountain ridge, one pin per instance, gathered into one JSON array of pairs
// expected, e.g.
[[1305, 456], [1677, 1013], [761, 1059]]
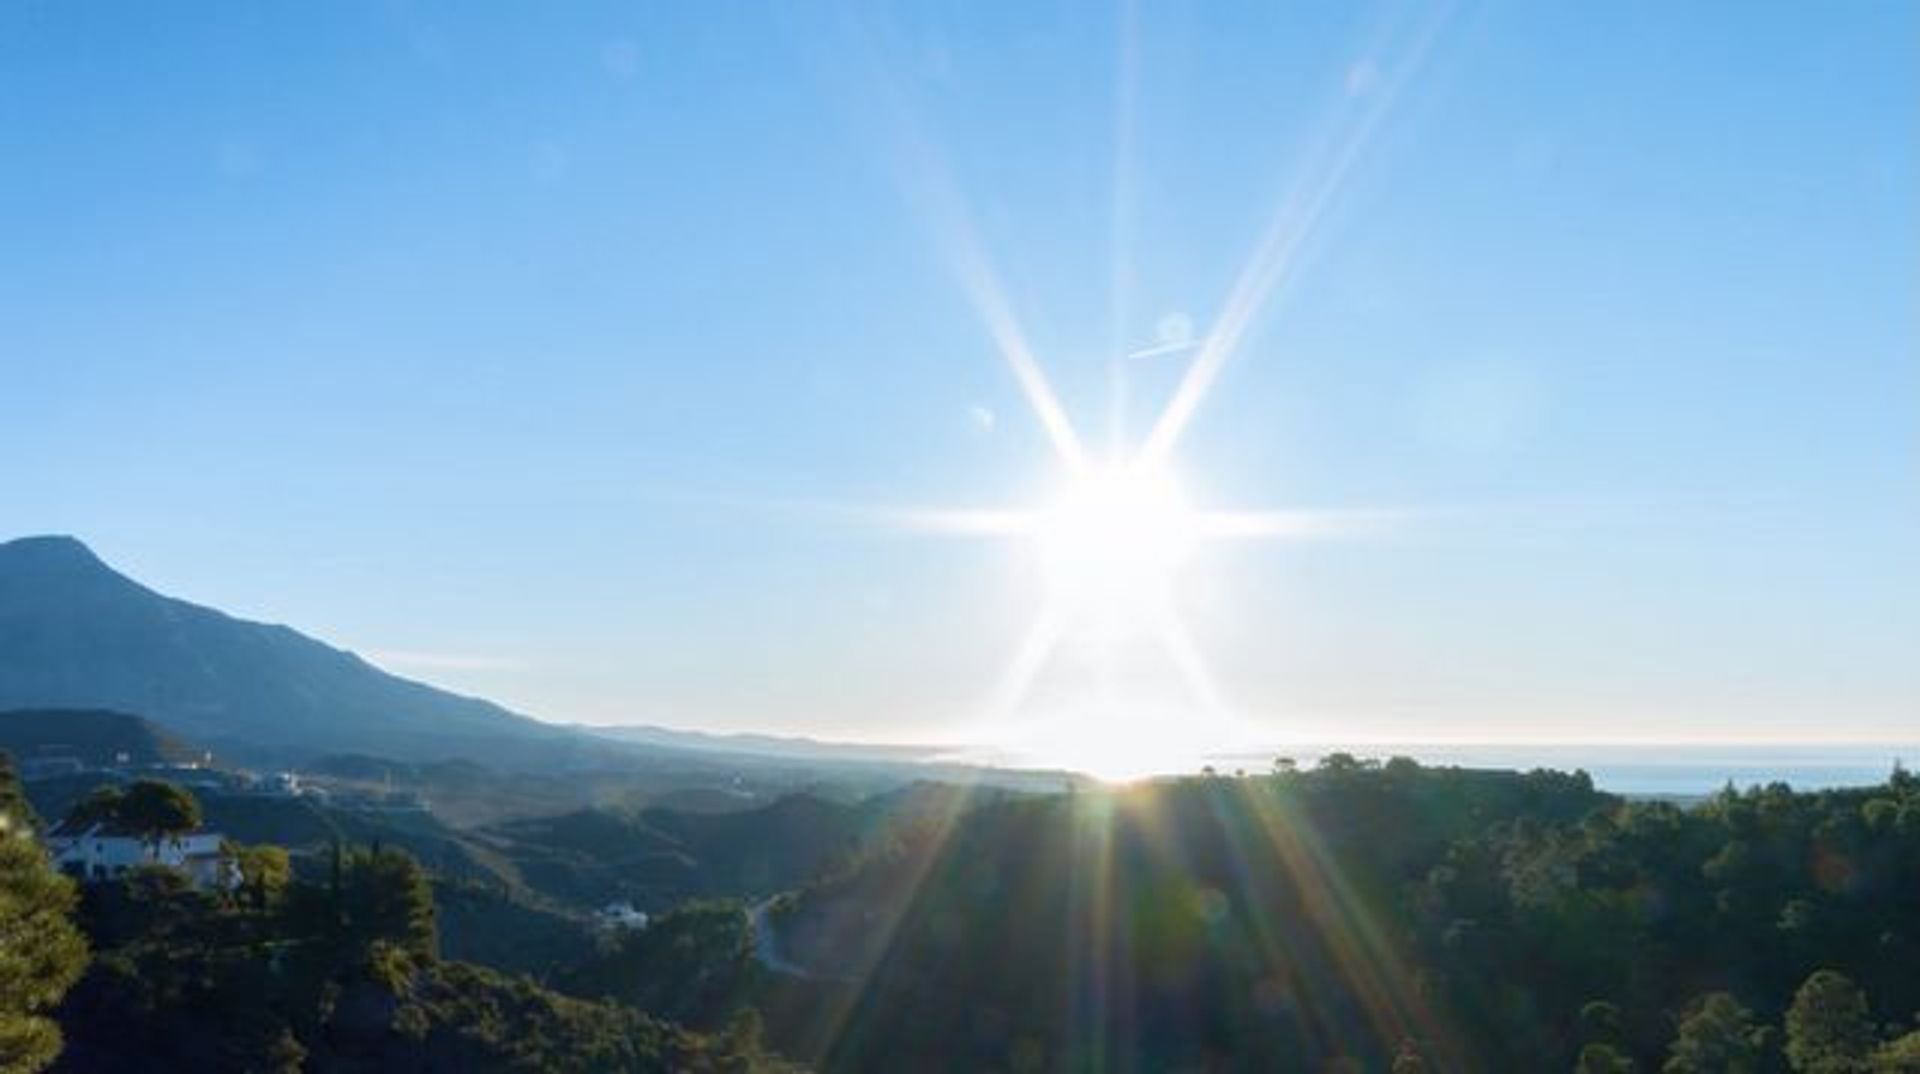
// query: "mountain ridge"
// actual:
[[75, 633]]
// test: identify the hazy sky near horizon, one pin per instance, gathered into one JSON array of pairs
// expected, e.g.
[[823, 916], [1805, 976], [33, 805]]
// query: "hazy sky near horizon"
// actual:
[[554, 353]]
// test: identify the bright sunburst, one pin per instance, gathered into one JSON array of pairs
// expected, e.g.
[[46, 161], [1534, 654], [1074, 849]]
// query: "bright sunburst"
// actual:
[[1113, 541], [1115, 536]]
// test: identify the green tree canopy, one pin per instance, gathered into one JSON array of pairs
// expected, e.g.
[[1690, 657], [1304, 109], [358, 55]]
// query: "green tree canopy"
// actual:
[[156, 809], [100, 806], [1599, 1058], [385, 896], [150, 808], [1900, 1055], [1828, 1031], [41, 953], [1718, 1037], [265, 871]]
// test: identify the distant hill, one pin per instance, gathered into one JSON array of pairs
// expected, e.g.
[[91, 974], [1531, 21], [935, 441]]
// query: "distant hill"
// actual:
[[784, 747], [657, 857], [94, 736], [74, 633]]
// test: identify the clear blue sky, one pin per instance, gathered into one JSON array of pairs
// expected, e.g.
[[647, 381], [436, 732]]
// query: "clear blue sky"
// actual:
[[524, 347]]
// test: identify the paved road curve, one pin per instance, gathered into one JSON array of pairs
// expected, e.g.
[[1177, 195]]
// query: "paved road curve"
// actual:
[[763, 942]]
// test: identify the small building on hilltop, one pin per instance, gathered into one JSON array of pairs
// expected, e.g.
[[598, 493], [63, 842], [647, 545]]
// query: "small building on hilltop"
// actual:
[[617, 916], [274, 785], [103, 851]]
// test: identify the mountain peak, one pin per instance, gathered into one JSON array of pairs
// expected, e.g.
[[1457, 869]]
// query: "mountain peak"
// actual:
[[79, 634], [48, 550]]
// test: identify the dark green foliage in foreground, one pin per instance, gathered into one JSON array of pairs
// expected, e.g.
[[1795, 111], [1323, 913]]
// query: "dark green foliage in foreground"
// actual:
[[411, 1015], [41, 953], [380, 897], [1379, 915], [1354, 917], [1655, 908], [338, 975], [265, 872], [13, 799], [483, 923], [1828, 1030], [694, 964], [1718, 1036], [1210, 924], [1899, 1056], [1599, 1058]]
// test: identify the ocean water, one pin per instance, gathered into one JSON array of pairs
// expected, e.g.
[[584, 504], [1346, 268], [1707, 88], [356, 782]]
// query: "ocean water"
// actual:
[[1682, 771]]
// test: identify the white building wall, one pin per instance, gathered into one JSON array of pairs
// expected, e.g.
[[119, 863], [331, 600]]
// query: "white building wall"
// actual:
[[94, 855]]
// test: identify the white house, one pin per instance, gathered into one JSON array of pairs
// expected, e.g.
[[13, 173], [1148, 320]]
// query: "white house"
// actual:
[[277, 785], [99, 853], [621, 915]]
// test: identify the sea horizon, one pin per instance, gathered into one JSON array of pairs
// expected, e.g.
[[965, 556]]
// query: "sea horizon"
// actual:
[[1649, 769], [1643, 769]]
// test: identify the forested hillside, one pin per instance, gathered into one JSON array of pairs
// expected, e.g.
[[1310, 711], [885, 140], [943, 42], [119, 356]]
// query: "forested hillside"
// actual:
[[1373, 916], [655, 856], [1357, 916], [337, 972]]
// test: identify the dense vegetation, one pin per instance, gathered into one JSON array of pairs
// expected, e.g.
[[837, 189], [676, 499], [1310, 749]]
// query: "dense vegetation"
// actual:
[[335, 973], [1374, 917], [657, 857], [41, 953], [340, 975], [1357, 916], [150, 808], [695, 965]]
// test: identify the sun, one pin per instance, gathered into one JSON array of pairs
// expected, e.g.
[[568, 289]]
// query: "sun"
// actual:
[[1115, 537], [1112, 546]]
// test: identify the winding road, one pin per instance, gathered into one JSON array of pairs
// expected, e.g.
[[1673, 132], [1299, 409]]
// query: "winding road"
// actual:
[[760, 918]]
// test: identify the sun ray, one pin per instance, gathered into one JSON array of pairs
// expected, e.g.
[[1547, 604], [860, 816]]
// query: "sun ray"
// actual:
[[843, 1011], [1092, 973], [1295, 524], [963, 522], [1276, 255], [1025, 666], [1110, 545], [1120, 222], [1193, 670], [982, 285], [1364, 953], [928, 183]]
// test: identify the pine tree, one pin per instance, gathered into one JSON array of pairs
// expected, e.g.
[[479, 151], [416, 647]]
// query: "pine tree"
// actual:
[[1828, 1031], [41, 953], [1718, 1037]]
